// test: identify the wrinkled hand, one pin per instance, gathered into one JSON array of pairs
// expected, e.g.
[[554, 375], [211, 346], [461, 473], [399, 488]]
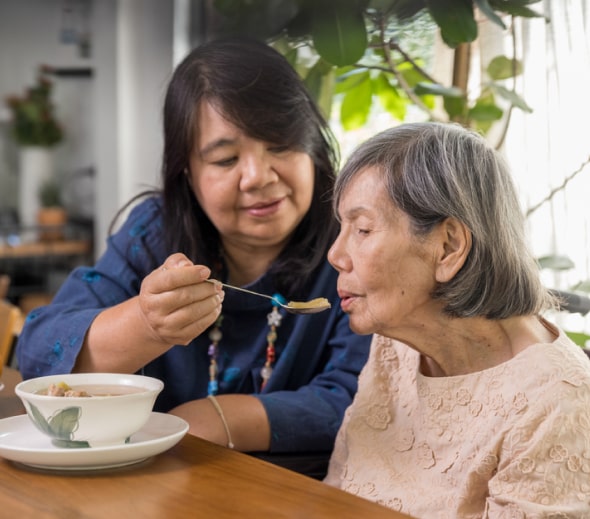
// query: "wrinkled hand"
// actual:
[[176, 302]]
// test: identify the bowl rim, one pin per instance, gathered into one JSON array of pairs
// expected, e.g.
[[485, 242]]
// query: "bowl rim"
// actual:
[[22, 388]]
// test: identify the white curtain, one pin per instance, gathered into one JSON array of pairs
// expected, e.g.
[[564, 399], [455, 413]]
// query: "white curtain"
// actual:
[[549, 149]]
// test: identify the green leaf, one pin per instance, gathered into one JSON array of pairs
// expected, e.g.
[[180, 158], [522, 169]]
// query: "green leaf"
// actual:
[[516, 8], [454, 106], [502, 67], [582, 286], [438, 90], [300, 26], [338, 32], [511, 96], [320, 83], [356, 106], [453, 98], [483, 127], [349, 78], [581, 339], [556, 262], [429, 101], [455, 19], [291, 56], [524, 12], [485, 112], [487, 10], [400, 9], [389, 97], [411, 74], [257, 18]]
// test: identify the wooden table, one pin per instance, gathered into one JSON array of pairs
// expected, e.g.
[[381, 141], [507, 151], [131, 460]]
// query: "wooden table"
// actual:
[[193, 479], [31, 264], [45, 249]]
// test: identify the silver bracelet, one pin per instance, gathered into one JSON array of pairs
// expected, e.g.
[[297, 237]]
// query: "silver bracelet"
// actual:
[[215, 403]]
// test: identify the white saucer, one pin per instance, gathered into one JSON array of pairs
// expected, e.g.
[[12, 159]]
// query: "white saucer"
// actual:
[[20, 441]]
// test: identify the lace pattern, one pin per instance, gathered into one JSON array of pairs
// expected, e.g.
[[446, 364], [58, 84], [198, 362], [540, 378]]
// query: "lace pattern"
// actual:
[[512, 441]]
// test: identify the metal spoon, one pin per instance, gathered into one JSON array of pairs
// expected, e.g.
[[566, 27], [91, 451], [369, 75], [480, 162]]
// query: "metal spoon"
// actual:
[[308, 307]]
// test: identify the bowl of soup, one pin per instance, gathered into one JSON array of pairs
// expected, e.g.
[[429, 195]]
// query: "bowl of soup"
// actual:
[[85, 410]]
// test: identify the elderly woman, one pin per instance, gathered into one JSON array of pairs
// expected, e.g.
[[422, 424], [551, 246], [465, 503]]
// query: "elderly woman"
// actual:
[[471, 403]]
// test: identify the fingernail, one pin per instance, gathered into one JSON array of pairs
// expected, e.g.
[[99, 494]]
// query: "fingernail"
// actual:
[[204, 273]]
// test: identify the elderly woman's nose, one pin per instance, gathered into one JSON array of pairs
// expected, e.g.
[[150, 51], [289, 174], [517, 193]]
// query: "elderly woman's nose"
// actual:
[[335, 254]]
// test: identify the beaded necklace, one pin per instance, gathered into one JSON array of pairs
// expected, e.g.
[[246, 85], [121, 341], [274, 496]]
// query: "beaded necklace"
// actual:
[[274, 321]]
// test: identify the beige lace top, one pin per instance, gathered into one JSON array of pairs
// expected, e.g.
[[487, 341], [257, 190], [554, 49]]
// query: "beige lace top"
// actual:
[[512, 441]]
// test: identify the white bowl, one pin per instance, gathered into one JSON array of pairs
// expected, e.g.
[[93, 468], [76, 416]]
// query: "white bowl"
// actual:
[[90, 421]]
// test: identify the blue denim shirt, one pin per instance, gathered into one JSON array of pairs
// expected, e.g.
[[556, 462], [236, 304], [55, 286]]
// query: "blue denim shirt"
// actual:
[[318, 358]]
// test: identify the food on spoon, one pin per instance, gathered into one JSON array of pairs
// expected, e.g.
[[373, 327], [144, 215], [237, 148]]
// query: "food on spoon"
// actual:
[[320, 302]]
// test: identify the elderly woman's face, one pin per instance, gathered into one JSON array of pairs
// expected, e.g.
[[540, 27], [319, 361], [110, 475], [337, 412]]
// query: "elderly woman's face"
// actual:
[[385, 272], [254, 192]]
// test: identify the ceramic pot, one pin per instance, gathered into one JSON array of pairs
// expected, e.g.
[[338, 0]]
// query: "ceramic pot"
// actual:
[[36, 166], [51, 221]]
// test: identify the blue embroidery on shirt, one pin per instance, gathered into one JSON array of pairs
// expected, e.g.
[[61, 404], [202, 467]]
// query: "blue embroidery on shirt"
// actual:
[[137, 230], [135, 248], [91, 276], [57, 353], [231, 374]]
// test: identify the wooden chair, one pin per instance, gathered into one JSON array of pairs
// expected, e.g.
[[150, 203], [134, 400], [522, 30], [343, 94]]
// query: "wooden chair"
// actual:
[[4, 285], [11, 321]]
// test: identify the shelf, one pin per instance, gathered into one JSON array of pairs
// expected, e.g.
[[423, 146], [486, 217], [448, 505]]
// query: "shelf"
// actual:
[[46, 249], [72, 72]]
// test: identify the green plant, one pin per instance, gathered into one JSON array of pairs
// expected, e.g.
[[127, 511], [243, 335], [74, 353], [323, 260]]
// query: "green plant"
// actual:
[[558, 263], [356, 48], [50, 194], [33, 119]]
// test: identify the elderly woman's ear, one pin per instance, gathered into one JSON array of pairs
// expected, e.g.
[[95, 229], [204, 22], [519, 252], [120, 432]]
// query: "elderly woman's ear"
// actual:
[[453, 246]]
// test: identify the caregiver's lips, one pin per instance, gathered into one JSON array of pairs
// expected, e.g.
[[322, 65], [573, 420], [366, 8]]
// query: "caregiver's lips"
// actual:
[[264, 208]]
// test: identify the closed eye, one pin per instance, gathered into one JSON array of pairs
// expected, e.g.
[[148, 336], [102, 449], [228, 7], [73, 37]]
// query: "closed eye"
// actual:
[[278, 149], [230, 161]]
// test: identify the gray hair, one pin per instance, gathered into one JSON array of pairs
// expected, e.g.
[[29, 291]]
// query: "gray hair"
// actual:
[[433, 171]]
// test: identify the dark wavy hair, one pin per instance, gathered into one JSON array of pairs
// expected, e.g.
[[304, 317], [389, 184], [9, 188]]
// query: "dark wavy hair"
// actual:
[[255, 88]]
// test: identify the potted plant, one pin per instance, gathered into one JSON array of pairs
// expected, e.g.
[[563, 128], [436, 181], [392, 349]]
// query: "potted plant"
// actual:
[[52, 215], [36, 130], [33, 118]]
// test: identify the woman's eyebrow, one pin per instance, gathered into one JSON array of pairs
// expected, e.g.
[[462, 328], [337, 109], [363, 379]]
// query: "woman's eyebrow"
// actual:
[[216, 144], [354, 212]]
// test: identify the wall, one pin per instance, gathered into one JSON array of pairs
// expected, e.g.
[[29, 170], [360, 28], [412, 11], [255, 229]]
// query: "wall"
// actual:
[[30, 36], [112, 119]]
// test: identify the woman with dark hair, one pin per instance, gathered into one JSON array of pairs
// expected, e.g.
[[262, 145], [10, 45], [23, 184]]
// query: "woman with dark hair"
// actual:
[[471, 403], [247, 174]]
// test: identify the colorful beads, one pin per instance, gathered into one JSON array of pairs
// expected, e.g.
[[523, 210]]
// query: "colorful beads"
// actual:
[[212, 388], [273, 318], [215, 335]]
